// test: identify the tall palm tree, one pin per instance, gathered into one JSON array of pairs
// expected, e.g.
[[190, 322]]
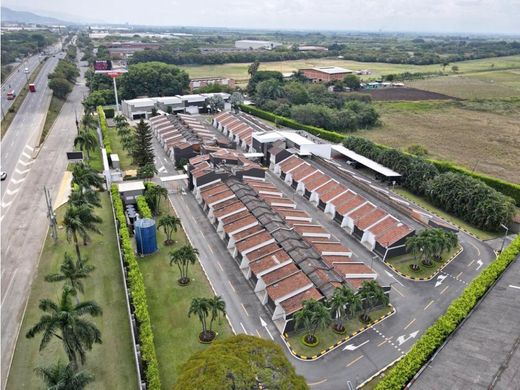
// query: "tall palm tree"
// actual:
[[65, 321], [371, 294], [78, 221], [88, 121], [153, 194], [84, 196], [120, 121], [183, 257], [86, 140], [354, 304], [72, 272], [337, 305], [200, 308], [85, 176], [313, 316], [170, 224], [217, 306], [62, 376]]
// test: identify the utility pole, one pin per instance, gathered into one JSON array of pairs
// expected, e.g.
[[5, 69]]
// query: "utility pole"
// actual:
[[51, 215]]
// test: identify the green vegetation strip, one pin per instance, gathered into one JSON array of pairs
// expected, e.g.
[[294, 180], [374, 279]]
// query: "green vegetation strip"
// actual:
[[53, 112], [104, 130], [111, 362], [139, 300], [434, 337], [125, 160], [142, 207], [20, 97], [175, 334]]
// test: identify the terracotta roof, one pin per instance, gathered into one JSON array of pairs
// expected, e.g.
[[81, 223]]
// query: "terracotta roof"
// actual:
[[196, 173], [213, 191], [279, 274], [269, 261], [315, 176], [239, 224], [332, 193], [352, 268], [295, 303], [232, 207], [235, 217], [237, 127], [182, 145], [357, 282], [211, 186], [247, 232], [254, 240], [281, 202], [382, 226], [317, 183], [197, 159], [288, 285], [261, 252], [330, 247], [222, 115], [367, 208], [218, 197], [327, 187], [316, 229], [290, 163], [371, 218], [301, 171], [285, 212], [228, 120], [350, 205], [332, 260], [391, 236], [343, 198]]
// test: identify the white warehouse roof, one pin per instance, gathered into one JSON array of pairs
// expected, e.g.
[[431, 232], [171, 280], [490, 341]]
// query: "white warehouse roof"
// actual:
[[365, 161], [131, 186], [332, 69]]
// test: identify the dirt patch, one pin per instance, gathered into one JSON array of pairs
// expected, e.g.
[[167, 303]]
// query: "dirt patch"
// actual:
[[405, 93]]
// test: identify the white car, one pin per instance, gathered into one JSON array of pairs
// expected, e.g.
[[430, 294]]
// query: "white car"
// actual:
[[26, 70]]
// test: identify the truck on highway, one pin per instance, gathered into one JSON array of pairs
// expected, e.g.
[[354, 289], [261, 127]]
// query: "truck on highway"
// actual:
[[32, 88], [11, 94]]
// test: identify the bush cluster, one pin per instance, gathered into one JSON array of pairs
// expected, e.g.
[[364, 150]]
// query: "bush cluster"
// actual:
[[423, 349], [104, 130], [138, 298], [142, 207]]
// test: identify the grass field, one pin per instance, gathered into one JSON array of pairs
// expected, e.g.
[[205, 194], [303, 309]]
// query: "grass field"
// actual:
[[328, 337], [176, 335], [52, 114], [402, 263], [485, 141], [125, 160], [111, 362], [238, 71]]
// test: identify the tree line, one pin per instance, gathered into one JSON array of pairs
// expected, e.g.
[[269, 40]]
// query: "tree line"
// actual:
[[62, 80], [463, 196]]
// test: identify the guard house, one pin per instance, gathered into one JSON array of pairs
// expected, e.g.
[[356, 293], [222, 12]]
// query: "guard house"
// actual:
[[130, 190]]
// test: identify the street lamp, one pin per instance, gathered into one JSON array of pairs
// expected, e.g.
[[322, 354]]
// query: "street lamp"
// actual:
[[505, 235]]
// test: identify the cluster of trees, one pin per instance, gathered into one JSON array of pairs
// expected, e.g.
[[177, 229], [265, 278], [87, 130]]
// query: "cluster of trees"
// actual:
[[312, 104], [86, 140], [67, 320], [342, 306], [138, 143], [19, 44], [239, 362], [431, 244], [62, 80], [468, 198], [207, 311]]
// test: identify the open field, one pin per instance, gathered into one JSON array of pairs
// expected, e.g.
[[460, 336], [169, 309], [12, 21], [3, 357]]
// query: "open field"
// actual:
[[405, 93], [485, 141], [175, 335], [111, 362], [238, 71], [125, 160]]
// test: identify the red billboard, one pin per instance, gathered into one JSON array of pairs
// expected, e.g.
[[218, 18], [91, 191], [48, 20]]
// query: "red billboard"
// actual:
[[103, 65]]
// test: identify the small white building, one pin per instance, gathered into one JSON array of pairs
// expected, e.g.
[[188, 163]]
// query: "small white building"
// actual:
[[255, 45]]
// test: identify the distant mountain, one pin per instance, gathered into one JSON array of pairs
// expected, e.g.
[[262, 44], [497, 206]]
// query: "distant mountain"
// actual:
[[10, 15]]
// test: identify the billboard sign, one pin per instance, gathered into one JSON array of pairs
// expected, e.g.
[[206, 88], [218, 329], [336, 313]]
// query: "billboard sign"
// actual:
[[103, 65], [74, 157]]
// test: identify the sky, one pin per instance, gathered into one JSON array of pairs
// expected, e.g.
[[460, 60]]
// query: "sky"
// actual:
[[449, 16]]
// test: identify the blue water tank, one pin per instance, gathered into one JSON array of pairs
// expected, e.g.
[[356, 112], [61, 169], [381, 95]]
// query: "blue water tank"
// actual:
[[145, 236]]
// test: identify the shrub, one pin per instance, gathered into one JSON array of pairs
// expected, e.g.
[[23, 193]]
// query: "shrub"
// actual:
[[138, 297], [434, 337], [109, 112], [104, 130], [142, 207]]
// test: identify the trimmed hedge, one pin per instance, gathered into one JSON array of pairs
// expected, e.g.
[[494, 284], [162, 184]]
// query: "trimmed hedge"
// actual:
[[142, 207], [104, 131], [138, 298], [109, 112], [324, 134], [434, 337], [509, 189]]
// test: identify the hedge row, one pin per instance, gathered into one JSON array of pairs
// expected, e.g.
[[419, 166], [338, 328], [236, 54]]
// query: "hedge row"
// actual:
[[138, 296], [104, 130], [142, 207], [509, 189], [324, 134], [434, 337]]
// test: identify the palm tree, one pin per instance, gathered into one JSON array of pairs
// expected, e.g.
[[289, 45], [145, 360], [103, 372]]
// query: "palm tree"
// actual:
[[183, 257], [64, 321], [85, 176], [217, 306], [337, 305], [84, 196], [62, 376], [313, 316], [120, 121], [354, 303], [146, 171], [72, 272], [153, 195], [371, 294], [170, 224], [78, 221], [200, 308], [86, 141], [88, 121]]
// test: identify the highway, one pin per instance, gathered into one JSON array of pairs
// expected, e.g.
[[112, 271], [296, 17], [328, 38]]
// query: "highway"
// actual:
[[24, 221]]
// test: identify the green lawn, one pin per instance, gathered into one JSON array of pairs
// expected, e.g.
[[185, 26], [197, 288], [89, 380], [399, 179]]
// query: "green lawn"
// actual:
[[125, 160], [52, 114], [402, 264], [176, 335], [481, 234], [111, 362], [328, 337]]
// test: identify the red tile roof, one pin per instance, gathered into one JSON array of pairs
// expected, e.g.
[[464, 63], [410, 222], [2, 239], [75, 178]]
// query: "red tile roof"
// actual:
[[254, 240], [332, 193], [290, 163], [247, 232], [350, 205], [302, 171], [261, 252], [240, 224], [231, 207], [285, 212], [393, 235], [295, 303], [279, 274], [220, 196], [370, 219], [366, 209], [316, 229], [343, 198], [269, 261], [235, 217], [383, 225], [288, 285]]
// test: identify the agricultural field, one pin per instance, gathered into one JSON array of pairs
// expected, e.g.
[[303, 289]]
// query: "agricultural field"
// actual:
[[238, 71], [400, 94], [481, 136]]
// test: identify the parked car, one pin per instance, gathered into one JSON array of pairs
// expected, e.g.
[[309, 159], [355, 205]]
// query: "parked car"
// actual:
[[3, 175]]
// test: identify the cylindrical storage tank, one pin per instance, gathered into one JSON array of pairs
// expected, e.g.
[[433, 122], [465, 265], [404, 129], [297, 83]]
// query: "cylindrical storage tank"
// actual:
[[145, 236]]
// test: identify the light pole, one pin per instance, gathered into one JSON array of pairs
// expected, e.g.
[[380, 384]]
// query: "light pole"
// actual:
[[505, 235]]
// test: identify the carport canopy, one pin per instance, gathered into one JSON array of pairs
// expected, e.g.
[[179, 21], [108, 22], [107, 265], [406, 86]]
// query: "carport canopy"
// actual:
[[366, 162]]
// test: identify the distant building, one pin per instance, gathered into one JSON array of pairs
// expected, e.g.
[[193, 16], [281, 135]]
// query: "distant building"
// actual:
[[255, 45], [326, 73], [312, 48], [201, 82]]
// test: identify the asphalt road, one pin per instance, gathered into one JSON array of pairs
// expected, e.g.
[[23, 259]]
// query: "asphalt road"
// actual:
[[24, 222], [418, 304], [23, 135]]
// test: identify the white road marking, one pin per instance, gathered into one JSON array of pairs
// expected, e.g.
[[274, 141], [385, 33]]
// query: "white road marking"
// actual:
[[440, 279], [6, 205], [393, 277], [30, 148], [9, 286], [474, 246], [25, 163], [9, 192], [480, 264], [14, 181], [517, 287], [397, 291], [242, 325], [264, 324], [354, 361], [220, 266], [403, 339], [429, 304], [410, 323], [243, 307], [27, 155], [471, 262], [21, 172], [444, 289], [233, 288], [352, 347]]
